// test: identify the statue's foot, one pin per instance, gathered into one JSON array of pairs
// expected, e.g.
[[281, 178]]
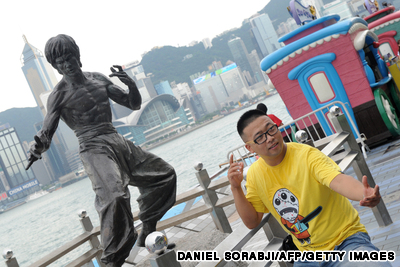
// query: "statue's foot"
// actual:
[[148, 227], [171, 246]]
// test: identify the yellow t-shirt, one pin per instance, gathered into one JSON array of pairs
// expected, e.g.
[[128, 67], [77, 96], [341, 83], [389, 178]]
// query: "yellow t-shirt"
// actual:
[[297, 191]]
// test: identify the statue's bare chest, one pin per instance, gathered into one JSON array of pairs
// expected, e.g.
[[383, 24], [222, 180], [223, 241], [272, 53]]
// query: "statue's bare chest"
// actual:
[[85, 97]]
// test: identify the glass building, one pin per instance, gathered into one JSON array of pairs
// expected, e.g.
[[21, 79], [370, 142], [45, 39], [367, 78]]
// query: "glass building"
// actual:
[[15, 179], [55, 155], [163, 88], [158, 117], [219, 87], [38, 73], [143, 83], [241, 56], [41, 79], [338, 7], [265, 34], [213, 93]]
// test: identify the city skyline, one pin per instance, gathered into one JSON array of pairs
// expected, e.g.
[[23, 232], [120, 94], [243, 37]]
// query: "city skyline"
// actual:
[[107, 35]]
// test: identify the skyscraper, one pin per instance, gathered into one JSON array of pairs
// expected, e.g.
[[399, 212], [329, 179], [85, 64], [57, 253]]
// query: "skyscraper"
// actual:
[[14, 178], [265, 34], [207, 43], [337, 7], [219, 88], [255, 64], [143, 83], [38, 73], [163, 88], [41, 79], [241, 57]]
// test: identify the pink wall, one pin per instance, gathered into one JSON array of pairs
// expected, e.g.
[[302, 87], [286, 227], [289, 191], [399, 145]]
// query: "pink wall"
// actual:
[[347, 64]]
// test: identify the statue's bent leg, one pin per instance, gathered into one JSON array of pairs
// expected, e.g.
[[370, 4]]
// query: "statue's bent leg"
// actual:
[[156, 180], [113, 205]]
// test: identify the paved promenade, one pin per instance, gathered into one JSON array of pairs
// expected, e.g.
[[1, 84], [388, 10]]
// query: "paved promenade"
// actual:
[[384, 163]]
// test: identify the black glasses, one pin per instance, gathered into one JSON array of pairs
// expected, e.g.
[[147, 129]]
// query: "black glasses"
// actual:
[[262, 138]]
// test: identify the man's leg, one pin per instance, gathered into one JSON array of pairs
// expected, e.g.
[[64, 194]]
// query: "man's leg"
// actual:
[[306, 264], [113, 205], [357, 242]]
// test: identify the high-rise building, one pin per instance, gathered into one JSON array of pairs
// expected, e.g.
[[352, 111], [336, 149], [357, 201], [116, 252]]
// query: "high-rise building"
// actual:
[[143, 83], [17, 181], [265, 34], [197, 103], [41, 79], [338, 7], [221, 87], [216, 65], [241, 57], [163, 88], [181, 90], [38, 72], [358, 9], [207, 43], [255, 64], [55, 156]]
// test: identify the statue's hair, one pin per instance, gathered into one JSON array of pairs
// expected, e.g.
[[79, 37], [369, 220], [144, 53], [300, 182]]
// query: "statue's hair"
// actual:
[[60, 45], [247, 118]]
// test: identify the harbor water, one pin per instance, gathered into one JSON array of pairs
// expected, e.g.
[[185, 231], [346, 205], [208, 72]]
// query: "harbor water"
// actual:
[[42, 225]]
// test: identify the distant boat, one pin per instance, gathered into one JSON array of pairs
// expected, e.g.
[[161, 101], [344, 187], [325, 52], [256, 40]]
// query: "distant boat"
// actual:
[[54, 188], [36, 195]]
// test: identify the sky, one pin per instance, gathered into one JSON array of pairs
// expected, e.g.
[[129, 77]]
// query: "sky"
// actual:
[[107, 32]]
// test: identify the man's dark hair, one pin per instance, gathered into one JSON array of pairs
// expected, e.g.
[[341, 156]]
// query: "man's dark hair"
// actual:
[[247, 118], [262, 107], [60, 45]]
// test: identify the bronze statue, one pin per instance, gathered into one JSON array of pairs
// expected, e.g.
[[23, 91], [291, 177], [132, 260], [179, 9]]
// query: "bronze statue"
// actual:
[[81, 100]]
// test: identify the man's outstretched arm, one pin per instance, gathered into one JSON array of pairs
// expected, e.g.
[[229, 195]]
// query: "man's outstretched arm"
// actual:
[[132, 99], [355, 190], [250, 217]]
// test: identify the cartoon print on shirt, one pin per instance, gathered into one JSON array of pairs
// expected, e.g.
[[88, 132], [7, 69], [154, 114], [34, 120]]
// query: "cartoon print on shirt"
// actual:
[[287, 206]]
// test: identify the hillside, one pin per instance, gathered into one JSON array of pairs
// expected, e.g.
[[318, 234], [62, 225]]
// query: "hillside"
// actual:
[[167, 63], [22, 119]]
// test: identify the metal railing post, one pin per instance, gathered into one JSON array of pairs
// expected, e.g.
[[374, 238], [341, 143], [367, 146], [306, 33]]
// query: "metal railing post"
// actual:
[[210, 198], [167, 259], [10, 260], [94, 241], [273, 229], [361, 168]]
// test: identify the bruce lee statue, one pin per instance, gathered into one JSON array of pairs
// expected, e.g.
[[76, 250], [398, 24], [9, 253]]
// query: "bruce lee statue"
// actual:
[[81, 100]]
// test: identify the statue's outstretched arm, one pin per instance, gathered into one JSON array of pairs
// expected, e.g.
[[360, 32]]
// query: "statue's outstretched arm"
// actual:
[[43, 137]]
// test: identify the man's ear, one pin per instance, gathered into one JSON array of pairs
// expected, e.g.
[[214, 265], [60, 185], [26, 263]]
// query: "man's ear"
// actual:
[[248, 147]]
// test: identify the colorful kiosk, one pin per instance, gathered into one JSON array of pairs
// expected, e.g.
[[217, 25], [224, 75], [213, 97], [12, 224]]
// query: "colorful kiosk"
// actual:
[[325, 61], [386, 25]]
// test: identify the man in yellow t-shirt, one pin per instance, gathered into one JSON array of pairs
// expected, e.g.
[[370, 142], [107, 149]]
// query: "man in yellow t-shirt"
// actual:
[[303, 189]]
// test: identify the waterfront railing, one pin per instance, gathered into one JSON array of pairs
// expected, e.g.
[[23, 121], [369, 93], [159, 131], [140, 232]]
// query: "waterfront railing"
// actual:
[[341, 145], [320, 129]]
